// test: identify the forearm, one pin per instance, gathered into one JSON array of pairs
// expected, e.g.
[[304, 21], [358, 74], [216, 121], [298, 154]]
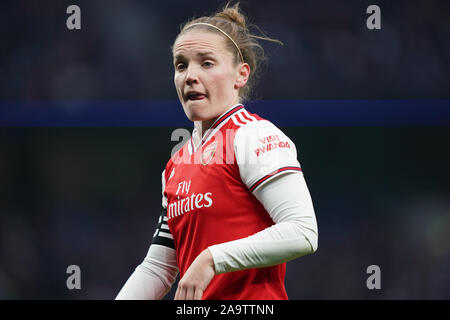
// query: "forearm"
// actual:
[[280, 243], [293, 235], [143, 285], [152, 279]]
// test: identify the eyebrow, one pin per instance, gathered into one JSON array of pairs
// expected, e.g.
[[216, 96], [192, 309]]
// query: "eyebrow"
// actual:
[[201, 54]]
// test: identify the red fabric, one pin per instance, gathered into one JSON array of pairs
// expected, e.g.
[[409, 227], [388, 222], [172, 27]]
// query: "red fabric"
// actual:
[[209, 204]]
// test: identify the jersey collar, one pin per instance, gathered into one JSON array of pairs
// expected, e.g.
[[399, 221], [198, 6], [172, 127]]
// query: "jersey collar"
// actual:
[[197, 141]]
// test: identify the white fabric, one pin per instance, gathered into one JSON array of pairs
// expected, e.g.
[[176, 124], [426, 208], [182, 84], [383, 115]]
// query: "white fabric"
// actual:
[[294, 234], [286, 198], [154, 277], [260, 148]]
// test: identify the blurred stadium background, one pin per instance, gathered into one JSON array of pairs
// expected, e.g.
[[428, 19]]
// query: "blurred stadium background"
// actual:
[[78, 190]]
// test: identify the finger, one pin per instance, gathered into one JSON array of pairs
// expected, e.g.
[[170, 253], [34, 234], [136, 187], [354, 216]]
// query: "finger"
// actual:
[[190, 293], [179, 293], [176, 294], [198, 294]]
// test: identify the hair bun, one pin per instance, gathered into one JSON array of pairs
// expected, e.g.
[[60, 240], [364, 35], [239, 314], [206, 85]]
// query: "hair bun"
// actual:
[[233, 14], [234, 24]]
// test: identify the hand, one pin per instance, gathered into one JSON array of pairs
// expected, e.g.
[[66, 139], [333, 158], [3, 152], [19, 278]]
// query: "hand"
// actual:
[[197, 277]]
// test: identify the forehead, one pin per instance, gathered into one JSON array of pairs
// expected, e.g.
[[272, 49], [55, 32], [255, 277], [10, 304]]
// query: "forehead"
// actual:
[[196, 41]]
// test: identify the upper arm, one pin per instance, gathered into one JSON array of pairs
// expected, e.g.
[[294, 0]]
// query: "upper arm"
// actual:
[[263, 152], [161, 255], [162, 235]]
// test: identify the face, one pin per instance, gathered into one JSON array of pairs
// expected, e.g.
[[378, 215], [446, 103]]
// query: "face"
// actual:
[[206, 79]]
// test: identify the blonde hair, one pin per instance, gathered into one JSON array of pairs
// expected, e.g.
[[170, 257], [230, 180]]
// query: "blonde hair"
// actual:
[[232, 23]]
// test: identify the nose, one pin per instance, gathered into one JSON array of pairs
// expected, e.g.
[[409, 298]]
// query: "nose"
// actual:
[[191, 75]]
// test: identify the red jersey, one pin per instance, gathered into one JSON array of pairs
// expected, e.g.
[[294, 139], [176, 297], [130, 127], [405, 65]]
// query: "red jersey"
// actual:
[[208, 200]]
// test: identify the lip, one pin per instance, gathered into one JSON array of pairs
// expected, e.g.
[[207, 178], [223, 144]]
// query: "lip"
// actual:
[[201, 95]]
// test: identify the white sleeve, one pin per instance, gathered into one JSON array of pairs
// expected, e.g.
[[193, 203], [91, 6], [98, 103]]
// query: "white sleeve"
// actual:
[[262, 152], [154, 277], [287, 200]]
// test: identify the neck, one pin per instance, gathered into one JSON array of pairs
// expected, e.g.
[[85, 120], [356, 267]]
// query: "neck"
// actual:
[[203, 126]]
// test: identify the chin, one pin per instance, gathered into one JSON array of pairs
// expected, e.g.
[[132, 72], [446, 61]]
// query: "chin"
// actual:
[[197, 117], [194, 116], [198, 114]]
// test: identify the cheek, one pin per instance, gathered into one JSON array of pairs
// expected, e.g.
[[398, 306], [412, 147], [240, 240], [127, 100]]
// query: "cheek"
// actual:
[[221, 84], [178, 82]]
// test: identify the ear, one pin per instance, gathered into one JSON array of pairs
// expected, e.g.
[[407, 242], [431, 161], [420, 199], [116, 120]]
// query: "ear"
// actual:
[[242, 76]]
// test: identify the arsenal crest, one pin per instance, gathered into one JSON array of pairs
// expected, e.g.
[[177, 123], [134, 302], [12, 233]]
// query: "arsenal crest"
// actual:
[[208, 153]]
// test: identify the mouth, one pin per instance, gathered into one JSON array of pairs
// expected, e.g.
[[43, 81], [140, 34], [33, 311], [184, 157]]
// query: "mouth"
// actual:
[[195, 96]]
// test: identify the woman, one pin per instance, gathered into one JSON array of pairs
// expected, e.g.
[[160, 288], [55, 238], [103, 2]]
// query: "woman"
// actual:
[[235, 204]]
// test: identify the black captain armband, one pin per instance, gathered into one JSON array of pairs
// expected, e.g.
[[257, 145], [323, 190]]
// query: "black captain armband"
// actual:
[[162, 234]]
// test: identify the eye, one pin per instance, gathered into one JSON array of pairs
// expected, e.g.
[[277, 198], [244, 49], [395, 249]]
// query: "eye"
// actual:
[[180, 67], [207, 64]]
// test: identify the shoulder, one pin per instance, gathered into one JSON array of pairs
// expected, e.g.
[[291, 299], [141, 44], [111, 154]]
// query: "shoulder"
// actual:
[[246, 123], [262, 152], [242, 119], [256, 128]]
